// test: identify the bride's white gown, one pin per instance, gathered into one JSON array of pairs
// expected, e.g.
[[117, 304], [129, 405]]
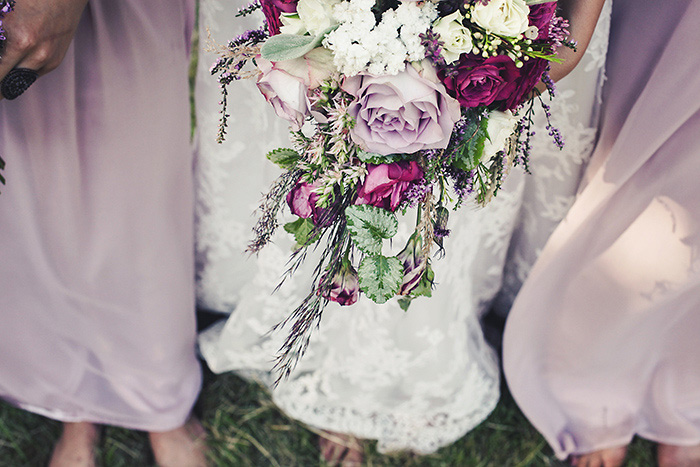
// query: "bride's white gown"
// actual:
[[413, 380]]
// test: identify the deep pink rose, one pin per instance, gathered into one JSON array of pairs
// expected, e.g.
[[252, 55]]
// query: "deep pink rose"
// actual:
[[287, 6], [403, 113], [540, 16], [284, 90], [272, 16], [477, 82], [385, 184], [302, 202], [530, 75], [272, 10]]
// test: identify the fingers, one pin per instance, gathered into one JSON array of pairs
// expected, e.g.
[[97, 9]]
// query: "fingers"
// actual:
[[39, 33]]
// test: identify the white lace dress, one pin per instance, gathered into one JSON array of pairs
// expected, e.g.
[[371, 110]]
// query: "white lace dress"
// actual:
[[415, 380]]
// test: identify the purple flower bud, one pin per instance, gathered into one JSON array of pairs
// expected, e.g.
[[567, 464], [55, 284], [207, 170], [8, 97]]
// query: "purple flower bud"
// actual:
[[414, 263], [344, 286], [440, 230], [302, 202]]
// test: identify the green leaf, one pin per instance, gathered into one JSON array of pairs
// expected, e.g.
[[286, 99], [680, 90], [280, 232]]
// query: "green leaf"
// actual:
[[472, 147], [373, 158], [302, 229], [404, 302], [290, 46], [284, 157], [369, 225], [380, 277]]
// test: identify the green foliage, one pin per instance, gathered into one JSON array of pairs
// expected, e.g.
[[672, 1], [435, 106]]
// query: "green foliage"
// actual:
[[284, 157], [290, 46], [471, 148], [373, 158], [303, 230], [369, 225], [380, 277]]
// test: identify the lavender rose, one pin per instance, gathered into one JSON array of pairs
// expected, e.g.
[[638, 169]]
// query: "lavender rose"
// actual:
[[385, 184], [479, 82], [403, 113], [302, 202], [285, 91]]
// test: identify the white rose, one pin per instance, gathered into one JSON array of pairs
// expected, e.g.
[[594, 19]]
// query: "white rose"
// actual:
[[500, 127], [457, 39], [292, 24], [503, 17], [314, 17]]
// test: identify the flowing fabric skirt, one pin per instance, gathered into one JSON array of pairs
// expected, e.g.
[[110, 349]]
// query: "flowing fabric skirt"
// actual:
[[602, 342], [96, 258], [416, 380]]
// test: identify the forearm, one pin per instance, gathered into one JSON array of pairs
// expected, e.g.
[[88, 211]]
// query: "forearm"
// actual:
[[583, 17]]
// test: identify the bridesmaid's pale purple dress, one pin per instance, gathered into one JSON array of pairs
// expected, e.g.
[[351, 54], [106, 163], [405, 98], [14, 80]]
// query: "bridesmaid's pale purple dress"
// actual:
[[96, 262], [603, 341]]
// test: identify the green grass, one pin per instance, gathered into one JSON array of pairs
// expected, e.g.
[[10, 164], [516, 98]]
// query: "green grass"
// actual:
[[246, 429]]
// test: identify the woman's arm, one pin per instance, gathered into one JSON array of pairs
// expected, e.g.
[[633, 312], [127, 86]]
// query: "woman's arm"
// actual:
[[583, 17], [39, 33]]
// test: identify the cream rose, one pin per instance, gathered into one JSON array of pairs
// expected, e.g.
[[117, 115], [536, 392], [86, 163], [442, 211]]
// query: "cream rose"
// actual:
[[312, 16], [456, 38], [503, 17], [500, 127]]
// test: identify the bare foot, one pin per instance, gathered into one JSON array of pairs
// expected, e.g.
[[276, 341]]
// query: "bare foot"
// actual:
[[76, 447], [341, 450], [182, 447], [611, 457], [669, 455]]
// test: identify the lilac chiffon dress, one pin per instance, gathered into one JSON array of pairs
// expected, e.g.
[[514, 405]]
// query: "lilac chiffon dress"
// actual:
[[96, 256], [603, 340]]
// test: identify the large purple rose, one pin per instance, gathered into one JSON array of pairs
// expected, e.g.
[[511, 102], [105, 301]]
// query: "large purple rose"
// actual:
[[403, 113], [385, 184], [540, 16], [302, 202], [476, 82]]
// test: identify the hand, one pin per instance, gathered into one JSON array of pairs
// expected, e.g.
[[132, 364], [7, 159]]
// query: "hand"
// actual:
[[39, 33]]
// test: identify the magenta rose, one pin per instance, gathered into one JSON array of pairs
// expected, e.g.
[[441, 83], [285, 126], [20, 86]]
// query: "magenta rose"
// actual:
[[476, 82], [530, 75], [540, 16], [302, 202], [385, 184], [272, 16], [401, 113], [287, 6], [272, 10]]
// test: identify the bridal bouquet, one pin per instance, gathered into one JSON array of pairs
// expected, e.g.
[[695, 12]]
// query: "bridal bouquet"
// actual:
[[392, 105]]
